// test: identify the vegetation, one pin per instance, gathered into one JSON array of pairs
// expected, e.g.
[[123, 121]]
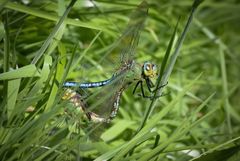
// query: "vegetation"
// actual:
[[44, 43]]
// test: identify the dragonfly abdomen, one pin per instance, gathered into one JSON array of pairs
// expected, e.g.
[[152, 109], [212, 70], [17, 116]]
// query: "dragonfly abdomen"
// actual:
[[87, 85], [116, 105]]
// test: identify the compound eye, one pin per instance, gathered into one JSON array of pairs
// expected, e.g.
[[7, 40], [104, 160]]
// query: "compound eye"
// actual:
[[147, 67], [154, 67]]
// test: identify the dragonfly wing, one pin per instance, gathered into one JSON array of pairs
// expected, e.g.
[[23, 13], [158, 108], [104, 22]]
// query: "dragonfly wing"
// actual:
[[130, 37], [123, 50], [105, 101]]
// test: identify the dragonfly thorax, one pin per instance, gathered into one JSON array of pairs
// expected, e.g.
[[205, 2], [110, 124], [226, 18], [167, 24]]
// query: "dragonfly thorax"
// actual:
[[149, 70]]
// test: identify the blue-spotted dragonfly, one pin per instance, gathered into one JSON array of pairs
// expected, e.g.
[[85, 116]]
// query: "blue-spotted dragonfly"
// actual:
[[105, 103]]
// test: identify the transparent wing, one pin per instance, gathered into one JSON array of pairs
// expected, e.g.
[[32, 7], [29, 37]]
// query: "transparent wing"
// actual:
[[125, 47], [105, 101], [123, 50], [130, 37]]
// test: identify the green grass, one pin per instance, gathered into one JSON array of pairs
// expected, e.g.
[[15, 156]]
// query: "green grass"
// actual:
[[44, 43]]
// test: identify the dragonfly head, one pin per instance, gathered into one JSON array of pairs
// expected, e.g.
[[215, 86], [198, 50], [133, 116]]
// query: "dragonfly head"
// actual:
[[149, 70]]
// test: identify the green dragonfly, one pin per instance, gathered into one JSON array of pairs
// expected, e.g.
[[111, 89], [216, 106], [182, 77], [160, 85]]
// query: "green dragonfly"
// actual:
[[102, 106]]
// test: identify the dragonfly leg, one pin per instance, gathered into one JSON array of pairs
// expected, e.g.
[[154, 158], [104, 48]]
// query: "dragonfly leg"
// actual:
[[142, 90], [156, 97], [151, 97], [136, 86], [160, 87], [149, 85]]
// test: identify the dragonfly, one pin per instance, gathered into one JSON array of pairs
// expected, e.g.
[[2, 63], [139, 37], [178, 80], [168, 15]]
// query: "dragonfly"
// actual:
[[103, 105]]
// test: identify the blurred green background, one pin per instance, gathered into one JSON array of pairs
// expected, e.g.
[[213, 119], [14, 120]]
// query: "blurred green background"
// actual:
[[198, 118]]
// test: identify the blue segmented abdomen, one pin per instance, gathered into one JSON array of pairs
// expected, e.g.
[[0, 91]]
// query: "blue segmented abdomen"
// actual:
[[87, 85]]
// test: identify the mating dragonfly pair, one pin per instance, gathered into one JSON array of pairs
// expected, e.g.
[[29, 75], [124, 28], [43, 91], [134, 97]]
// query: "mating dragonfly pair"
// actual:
[[108, 97]]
